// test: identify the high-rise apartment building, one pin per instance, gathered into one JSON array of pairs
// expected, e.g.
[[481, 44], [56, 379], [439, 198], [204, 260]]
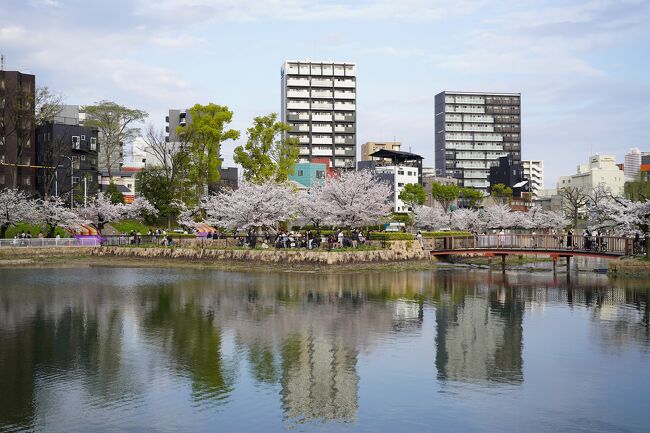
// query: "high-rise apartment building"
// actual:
[[632, 163], [17, 130], [534, 172], [174, 119], [472, 130], [319, 102]]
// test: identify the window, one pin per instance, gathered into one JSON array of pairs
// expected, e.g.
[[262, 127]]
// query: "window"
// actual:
[[75, 142], [400, 184], [320, 174], [75, 179], [400, 172], [93, 143], [300, 173], [27, 181], [83, 157], [83, 138]]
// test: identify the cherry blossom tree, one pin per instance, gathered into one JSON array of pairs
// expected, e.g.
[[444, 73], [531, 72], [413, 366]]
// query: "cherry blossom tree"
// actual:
[[251, 206], [356, 198], [15, 206], [623, 215], [190, 217], [101, 211], [499, 216], [466, 220], [314, 207], [53, 213], [430, 218]]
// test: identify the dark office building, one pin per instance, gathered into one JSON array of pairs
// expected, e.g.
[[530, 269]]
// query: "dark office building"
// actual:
[[68, 155], [17, 143], [472, 130], [509, 173]]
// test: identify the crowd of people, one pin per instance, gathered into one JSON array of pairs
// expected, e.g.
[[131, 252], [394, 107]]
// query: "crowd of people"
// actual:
[[308, 240]]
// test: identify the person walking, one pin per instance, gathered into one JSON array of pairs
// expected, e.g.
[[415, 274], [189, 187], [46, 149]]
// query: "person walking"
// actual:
[[419, 238], [569, 240], [339, 237]]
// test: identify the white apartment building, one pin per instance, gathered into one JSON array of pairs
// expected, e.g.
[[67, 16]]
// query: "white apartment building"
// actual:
[[319, 103], [601, 169], [534, 172], [632, 163], [398, 176]]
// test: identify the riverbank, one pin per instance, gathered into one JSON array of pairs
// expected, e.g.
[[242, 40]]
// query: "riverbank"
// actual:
[[629, 267]]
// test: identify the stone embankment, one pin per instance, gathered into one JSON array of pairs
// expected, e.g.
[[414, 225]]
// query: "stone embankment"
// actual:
[[629, 267], [394, 252]]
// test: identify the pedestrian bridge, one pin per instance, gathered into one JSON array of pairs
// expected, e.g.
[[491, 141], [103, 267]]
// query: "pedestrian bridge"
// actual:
[[555, 246]]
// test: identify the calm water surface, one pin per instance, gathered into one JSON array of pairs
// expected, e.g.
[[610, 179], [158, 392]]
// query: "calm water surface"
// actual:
[[152, 350]]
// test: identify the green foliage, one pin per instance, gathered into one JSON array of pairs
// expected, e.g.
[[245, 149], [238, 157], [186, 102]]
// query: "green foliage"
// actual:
[[34, 229], [113, 194], [152, 184], [501, 191], [470, 196], [413, 194], [390, 236], [268, 153], [444, 234], [443, 194], [204, 135], [401, 218], [637, 190]]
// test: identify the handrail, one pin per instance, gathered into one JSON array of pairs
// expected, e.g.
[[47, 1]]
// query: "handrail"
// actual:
[[543, 242]]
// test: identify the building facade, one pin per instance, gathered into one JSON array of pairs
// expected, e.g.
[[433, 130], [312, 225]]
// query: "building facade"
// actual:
[[17, 130], [319, 103], [370, 147], [601, 169], [68, 157], [534, 172], [632, 163], [472, 130], [173, 120], [509, 173], [309, 173]]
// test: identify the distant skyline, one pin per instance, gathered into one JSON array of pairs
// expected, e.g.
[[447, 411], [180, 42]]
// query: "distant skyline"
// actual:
[[581, 66]]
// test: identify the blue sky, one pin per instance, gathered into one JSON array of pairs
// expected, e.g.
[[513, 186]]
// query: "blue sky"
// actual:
[[582, 66]]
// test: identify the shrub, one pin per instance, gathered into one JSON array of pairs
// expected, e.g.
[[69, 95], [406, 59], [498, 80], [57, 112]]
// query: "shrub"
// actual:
[[390, 236]]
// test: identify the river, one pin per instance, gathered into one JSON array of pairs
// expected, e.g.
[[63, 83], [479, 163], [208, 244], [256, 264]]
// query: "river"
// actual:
[[190, 350]]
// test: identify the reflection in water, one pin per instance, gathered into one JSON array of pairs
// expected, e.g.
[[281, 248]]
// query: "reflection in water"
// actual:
[[115, 342]]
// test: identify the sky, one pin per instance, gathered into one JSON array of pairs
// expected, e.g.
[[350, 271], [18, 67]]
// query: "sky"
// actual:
[[582, 66]]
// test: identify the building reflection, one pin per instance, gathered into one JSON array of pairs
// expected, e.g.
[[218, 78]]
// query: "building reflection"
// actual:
[[301, 334]]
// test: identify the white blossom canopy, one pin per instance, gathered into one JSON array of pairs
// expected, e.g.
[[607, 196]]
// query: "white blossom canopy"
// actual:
[[466, 220], [621, 214], [430, 218], [313, 206], [15, 207], [54, 213], [356, 198]]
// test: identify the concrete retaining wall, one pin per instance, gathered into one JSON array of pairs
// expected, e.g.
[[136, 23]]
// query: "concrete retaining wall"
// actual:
[[629, 267]]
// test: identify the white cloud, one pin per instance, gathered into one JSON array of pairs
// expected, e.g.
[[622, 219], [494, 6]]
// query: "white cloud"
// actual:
[[176, 42]]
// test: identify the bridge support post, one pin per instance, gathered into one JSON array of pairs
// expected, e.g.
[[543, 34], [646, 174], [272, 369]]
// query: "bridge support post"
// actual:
[[568, 264], [554, 264], [503, 263]]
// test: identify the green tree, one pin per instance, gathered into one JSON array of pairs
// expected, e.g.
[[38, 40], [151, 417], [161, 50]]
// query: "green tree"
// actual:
[[444, 195], [471, 197], [637, 190], [413, 194], [152, 183], [268, 153], [113, 194], [501, 192], [204, 135], [116, 126]]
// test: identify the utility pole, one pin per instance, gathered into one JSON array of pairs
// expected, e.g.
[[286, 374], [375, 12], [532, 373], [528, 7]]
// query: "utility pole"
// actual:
[[85, 191]]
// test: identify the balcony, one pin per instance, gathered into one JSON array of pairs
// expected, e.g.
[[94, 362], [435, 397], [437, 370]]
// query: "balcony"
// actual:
[[344, 117], [344, 107], [325, 129], [349, 84], [292, 93], [344, 152], [321, 152], [345, 95], [321, 82], [321, 94], [301, 82], [320, 106], [298, 105], [321, 140], [303, 140], [341, 140], [304, 150], [321, 117], [346, 129], [301, 116], [300, 128]]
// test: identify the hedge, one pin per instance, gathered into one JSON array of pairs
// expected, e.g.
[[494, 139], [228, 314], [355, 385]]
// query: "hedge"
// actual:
[[391, 236]]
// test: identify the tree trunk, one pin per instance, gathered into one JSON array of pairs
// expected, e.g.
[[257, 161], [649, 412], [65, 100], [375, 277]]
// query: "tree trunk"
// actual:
[[3, 230]]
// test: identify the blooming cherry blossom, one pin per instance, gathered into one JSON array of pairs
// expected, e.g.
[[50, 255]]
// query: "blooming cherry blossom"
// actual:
[[54, 213], [430, 218], [14, 207]]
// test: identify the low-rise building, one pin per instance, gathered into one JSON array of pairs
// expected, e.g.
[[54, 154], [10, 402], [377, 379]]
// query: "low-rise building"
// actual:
[[396, 168], [601, 169], [370, 147], [430, 178], [510, 174], [309, 174]]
